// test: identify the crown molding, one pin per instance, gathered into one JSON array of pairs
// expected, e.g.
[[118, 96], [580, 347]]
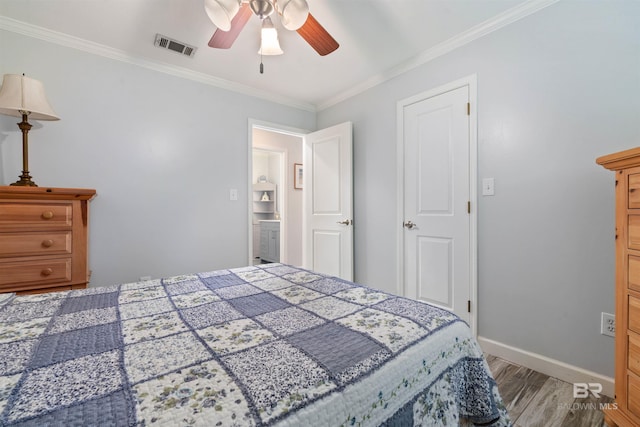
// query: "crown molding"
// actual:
[[67, 40], [497, 22]]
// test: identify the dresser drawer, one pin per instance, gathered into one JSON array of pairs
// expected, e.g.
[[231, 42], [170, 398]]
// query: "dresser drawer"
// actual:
[[634, 272], [29, 244], [633, 395], [56, 270], [634, 191], [634, 314], [634, 231], [634, 353], [35, 215]]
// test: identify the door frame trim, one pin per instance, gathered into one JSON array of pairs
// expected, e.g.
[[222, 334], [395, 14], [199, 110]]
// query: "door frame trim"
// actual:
[[470, 82], [272, 127]]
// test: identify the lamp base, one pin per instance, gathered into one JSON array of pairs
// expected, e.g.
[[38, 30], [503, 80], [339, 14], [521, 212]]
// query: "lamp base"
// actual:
[[25, 180]]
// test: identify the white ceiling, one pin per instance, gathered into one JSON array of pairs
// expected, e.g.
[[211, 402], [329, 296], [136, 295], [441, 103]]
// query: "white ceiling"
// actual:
[[377, 38]]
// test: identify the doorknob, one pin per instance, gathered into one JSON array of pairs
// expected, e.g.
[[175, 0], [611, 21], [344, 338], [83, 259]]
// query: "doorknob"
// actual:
[[345, 222], [410, 225]]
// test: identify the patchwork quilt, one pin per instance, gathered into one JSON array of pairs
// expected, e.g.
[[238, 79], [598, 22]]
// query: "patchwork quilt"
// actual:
[[257, 346]]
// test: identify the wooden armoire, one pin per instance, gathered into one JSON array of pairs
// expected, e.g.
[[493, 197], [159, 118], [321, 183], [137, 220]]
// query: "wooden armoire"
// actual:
[[626, 165]]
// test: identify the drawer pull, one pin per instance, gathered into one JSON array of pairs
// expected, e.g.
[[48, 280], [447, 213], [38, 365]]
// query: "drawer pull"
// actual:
[[47, 215], [47, 243], [46, 272]]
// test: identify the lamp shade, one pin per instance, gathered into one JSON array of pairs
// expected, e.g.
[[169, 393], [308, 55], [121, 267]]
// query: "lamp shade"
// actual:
[[21, 94], [269, 44], [294, 13], [221, 12]]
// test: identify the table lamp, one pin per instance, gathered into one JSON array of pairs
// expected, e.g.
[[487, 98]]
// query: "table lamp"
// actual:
[[22, 96]]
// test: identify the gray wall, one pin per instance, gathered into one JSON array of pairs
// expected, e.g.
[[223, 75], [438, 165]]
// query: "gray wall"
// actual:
[[555, 90], [162, 153]]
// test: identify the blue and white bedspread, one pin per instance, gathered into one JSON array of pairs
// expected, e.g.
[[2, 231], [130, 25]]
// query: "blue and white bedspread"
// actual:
[[265, 345]]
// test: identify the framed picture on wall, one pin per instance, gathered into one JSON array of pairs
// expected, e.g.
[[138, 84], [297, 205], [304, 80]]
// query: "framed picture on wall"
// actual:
[[297, 176]]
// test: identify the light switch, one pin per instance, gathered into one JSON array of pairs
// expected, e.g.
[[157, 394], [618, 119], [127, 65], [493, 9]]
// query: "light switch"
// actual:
[[488, 187], [233, 194]]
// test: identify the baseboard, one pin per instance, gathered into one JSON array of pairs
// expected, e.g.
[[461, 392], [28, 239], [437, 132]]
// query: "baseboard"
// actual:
[[546, 365]]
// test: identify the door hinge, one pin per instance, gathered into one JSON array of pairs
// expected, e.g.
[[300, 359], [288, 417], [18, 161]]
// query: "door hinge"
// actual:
[[468, 306], [468, 108], [469, 207]]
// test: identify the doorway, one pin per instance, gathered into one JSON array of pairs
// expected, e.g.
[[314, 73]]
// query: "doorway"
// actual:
[[267, 202], [275, 224], [328, 174]]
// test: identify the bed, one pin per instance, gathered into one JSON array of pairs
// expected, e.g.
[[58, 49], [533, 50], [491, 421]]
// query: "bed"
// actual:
[[263, 345]]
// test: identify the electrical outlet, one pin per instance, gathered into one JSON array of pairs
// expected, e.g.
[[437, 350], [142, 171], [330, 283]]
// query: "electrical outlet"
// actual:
[[608, 325], [143, 278]]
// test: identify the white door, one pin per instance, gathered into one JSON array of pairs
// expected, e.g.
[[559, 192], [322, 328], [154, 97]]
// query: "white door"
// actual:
[[437, 222], [328, 201]]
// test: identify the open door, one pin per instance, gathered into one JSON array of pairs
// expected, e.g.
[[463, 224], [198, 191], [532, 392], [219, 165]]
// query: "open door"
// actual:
[[327, 239]]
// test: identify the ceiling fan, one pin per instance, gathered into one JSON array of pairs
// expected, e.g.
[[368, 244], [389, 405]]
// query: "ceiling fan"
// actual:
[[230, 16]]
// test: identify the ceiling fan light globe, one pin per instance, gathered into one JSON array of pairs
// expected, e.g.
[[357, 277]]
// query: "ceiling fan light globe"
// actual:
[[221, 12], [293, 13], [269, 43], [270, 51]]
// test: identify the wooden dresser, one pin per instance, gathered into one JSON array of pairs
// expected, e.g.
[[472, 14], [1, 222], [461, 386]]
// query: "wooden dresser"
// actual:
[[43, 239], [626, 165]]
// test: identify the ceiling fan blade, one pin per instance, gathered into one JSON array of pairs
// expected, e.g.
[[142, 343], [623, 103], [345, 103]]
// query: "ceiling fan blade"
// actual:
[[224, 39], [317, 36]]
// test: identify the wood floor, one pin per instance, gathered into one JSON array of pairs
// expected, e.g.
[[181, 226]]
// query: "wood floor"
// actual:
[[535, 399]]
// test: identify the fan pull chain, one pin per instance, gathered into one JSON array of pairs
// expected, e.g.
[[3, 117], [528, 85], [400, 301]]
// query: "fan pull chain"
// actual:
[[261, 64]]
